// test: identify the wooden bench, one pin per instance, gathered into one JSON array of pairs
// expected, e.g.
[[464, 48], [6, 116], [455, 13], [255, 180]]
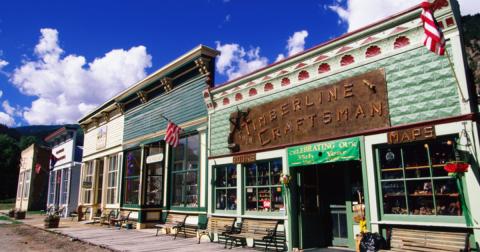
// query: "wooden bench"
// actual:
[[105, 215], [122, 216], [59, 211], [46, 211], [217, 225], [421, 240], [173, 221], [83, 215], [264, 230], [131, 219]]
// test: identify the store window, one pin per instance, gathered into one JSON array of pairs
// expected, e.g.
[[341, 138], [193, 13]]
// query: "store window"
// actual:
[[20, 186], [185, 172], [66, 176], [226, 188], [99, 182], [112, 180], [132, 177], [154, 195], [88, 178], [263, 188], [26, 190], [51, 188], [413, 180]]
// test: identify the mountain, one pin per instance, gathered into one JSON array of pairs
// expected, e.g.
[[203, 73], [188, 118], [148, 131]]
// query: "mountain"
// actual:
[[40, 132]]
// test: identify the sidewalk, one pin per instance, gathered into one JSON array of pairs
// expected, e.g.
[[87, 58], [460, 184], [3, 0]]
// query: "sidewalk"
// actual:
[[137, 240]]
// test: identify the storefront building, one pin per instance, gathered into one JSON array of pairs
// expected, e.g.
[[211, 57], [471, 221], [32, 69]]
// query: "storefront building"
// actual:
[[158, 179], [32, 187], [364, 123], [65, 174], [99, 183]]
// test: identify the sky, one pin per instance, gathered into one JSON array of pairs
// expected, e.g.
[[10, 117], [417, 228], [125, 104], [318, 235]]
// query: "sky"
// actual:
[[61, 59]]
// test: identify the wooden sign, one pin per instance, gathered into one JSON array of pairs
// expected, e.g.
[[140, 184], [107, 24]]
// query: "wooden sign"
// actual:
[[247, 158], [351, 105], [411, 135]]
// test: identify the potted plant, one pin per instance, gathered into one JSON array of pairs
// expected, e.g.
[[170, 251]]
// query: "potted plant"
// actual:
[[11, 213], [51, 221], [19, 215]]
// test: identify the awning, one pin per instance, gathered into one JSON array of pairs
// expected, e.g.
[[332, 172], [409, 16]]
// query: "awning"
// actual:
[[324, 152]]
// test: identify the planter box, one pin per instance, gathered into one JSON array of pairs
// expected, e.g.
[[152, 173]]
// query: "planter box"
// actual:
[[51, 223], [11, 214], [19, 216]]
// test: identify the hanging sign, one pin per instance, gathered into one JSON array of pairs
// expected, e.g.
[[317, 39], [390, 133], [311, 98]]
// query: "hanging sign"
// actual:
[[411, 135], [102, 137], [324, 152], [155, 158], [87, 184]]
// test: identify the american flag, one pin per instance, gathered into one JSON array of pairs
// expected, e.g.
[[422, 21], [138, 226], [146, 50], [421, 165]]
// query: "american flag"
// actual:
[[38, 167], [172, 135], [433, 37]]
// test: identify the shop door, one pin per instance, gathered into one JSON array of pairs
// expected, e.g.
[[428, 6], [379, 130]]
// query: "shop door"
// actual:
[[311, 218]]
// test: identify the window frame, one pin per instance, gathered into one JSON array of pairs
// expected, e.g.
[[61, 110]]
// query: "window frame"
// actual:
[[257, 187], [225, 188], [88, 177], [133, 177], [51, 193], [20, 186], [195, 138], [161, 150], [65, 187], [432, 179], [26, 187], [112, 174]]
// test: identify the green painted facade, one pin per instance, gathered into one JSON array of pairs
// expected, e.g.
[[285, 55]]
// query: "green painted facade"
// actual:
[[420, 87]]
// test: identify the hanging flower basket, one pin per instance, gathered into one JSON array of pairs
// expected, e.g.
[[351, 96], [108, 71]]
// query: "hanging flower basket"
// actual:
[[285, 178], [456, 169], [51, 221], [19, 215]]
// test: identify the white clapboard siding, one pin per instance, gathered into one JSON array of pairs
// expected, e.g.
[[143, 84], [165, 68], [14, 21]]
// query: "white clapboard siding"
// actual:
[[114, 134]]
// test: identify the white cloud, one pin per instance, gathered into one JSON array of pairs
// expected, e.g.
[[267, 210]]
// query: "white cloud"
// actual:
[[226, 1], [3, 63], [360, 13], [232, 61], [6, 106], [296, 43], [280, 57], [1, 93], [66, 88], [227, 18], [7, 120]]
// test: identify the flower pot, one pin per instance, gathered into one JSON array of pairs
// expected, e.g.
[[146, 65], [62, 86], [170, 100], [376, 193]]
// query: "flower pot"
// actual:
[[112, 223], [19, 215], [11, 213], [129, 225], [51, 223]]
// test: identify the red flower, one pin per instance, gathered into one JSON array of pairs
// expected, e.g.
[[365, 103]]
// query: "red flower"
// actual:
[[456, 168]]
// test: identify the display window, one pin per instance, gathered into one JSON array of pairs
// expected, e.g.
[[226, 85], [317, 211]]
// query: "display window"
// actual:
[[112, 180], [226, 188], [185, 172], [132, 177], [263, 189], [413, 181], [66, 176], [88, 177]]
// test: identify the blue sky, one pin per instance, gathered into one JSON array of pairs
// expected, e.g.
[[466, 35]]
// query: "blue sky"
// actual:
[[61, 59]]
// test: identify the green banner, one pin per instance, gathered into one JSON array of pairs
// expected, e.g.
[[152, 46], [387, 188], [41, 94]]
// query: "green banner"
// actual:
[[325, 152]]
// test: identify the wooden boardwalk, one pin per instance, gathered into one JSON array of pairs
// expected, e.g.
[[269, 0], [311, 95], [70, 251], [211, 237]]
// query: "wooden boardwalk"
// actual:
[[139, 240]]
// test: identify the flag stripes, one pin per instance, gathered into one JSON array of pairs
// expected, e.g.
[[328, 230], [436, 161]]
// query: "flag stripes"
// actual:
[[433, 37], [173, 134]]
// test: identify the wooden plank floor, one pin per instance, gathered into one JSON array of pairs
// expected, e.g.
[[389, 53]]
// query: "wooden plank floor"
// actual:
[[139, 240]]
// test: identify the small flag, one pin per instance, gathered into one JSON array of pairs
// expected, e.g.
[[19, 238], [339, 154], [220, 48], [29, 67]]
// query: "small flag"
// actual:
[[58, 178], [433, 36], [38, 167], [173, 134], [53, 160]]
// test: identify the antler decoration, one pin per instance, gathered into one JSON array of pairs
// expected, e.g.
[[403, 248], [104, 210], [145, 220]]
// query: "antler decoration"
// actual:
[[370, 85]]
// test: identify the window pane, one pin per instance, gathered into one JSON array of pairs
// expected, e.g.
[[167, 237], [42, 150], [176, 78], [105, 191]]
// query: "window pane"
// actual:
[[137, 162], [154, 190], [192, 153], [447, 197], [179, 155], [416, 161], [394, 198], [20, 184], [231, 199], [440, 154], [220, 199], [420, 200], [391, 163], [178, 187], [128, 190], [192, 189], [343, 225], [263, 174], [232, 176], [220, 180], [277, 200], [251, 175], [275, 171], [251, 199]]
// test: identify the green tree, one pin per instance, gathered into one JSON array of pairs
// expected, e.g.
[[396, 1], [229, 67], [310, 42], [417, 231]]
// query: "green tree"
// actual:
[[9, 163], [26, 141]]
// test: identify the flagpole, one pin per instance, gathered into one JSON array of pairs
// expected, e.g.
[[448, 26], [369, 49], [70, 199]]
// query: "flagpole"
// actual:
[[454, 74], [187, 133]]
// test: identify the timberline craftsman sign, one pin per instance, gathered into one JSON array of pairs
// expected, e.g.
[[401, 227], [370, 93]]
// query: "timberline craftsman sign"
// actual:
[[324, 152], [348, 106], [411, 135], [243, 159]]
